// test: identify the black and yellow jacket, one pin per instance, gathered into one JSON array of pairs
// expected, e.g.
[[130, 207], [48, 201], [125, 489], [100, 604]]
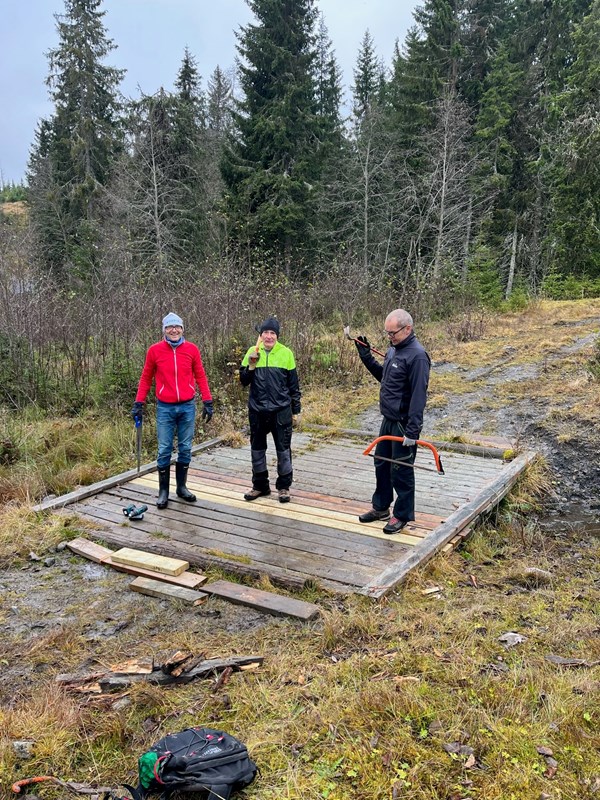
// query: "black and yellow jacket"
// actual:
[[274, 383]]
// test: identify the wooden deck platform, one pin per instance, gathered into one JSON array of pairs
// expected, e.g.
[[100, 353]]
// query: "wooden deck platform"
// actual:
[[316, 537]]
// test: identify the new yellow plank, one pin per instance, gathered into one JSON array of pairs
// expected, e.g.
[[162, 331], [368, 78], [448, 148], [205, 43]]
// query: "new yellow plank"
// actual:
[[329, 519], [154, 563]]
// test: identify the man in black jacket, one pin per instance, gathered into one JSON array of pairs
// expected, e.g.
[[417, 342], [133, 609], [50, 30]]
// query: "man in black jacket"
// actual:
[[269, 369], [404, 377]]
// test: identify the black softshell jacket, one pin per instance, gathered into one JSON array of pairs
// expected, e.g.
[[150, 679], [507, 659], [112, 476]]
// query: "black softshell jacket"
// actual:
[[404, 377], [274, 383]]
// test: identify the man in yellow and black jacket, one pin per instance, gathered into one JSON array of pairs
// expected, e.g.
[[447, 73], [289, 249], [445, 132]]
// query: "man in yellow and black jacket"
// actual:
[[269, 369]]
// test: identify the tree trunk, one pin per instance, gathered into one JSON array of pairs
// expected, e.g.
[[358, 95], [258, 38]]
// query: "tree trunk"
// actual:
[[513, 262]]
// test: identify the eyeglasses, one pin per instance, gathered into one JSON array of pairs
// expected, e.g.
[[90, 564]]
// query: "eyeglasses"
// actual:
[[173, 328], [389, 334]]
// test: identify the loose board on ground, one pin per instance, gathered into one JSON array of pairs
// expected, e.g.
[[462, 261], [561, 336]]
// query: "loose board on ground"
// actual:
[[167, 591], [150, 561]]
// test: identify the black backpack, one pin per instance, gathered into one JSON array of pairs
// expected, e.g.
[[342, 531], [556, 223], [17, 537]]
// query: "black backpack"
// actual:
[[195, 760]]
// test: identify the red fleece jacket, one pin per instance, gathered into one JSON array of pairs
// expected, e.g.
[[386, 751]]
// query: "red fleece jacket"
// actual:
[[174, 369]]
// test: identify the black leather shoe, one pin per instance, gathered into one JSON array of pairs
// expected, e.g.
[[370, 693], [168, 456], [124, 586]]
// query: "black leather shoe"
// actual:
[[254, 493], [394, 525], [372, 515]]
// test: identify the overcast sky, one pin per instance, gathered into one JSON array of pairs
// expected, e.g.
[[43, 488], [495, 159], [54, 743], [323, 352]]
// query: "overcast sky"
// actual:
[[151, 36]]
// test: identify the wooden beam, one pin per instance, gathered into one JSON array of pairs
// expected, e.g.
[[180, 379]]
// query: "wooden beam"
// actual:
[[115, 480], [457, 447], [90, 550], [150, 561], [428, 547], [167, 591], [269, 602], [188, 580], [103, 555]]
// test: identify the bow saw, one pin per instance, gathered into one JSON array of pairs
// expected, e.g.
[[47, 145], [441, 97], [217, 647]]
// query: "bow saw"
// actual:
[[421, 442]]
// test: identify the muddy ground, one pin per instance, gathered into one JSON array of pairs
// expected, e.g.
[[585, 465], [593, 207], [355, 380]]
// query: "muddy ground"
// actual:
[[56, 595]]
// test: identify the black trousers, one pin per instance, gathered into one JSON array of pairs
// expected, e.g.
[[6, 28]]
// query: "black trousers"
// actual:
[[392, 478], [279, 425]]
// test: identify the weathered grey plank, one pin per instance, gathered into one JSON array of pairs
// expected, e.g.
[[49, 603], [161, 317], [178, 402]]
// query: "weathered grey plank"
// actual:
[[459, 447], [264, 601]]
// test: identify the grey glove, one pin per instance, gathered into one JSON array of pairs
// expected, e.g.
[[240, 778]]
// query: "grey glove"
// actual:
[[207, 411], [137, 412], [408, 442]]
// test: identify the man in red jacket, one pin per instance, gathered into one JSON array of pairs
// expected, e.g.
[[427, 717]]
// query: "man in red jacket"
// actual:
[[175, 365]]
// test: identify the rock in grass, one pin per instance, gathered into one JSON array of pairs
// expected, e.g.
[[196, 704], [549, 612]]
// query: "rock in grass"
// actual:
[[531, 577], [510, 639], [23, 749]]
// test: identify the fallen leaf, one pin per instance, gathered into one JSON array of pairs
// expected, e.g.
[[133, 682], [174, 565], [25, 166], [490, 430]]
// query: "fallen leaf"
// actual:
[[544, 751], [432, 590], [550, 772], [470, 762]]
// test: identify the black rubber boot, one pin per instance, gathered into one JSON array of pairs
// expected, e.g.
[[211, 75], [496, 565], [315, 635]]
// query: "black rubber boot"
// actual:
[[163, 487], [181, 471]]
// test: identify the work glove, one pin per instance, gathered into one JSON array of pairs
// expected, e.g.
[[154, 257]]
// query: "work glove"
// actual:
[[137, 412], [363, 346], [408, 442], [296, 420], [253, 358], [207, 411]]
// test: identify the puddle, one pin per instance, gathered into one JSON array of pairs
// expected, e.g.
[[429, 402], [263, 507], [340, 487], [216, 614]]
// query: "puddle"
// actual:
[[574, 518]]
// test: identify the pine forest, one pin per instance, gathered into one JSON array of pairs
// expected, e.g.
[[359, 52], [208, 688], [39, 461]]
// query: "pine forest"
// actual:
[[463, 174]]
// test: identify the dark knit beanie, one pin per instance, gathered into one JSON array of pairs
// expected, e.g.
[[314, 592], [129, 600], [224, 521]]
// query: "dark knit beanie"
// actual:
[[270, 324]]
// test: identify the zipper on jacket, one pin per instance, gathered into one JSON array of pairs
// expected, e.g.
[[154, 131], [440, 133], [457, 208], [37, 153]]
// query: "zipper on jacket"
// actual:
[[174, 349], [268, 381]]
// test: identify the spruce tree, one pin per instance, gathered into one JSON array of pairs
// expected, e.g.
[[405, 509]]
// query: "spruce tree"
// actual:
[[574, 235], [271, 164], [190, 162], [219, 102], [332, 144], [71, 167], [367, 78]]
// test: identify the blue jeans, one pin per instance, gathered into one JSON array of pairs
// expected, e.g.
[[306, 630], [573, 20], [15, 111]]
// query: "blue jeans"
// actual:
[[171, 417]]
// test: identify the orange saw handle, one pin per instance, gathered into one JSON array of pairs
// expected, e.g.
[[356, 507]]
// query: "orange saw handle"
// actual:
[[16, 787], [420, 442]]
